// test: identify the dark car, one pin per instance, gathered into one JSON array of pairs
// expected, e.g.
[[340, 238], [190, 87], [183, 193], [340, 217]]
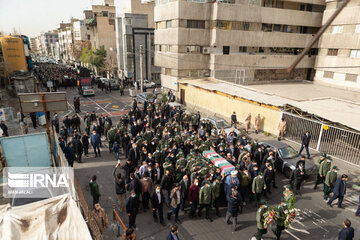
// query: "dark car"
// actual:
[[289, 157]]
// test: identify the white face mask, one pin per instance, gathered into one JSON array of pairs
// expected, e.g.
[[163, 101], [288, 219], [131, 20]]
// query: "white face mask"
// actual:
[[196, 184], [270, 169]]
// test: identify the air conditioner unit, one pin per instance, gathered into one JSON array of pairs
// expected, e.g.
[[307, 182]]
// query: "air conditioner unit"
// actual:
[[206, 50]]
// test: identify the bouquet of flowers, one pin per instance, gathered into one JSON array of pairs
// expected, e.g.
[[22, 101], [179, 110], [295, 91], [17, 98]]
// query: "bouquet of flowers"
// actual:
[[269, 217], [290, 216]]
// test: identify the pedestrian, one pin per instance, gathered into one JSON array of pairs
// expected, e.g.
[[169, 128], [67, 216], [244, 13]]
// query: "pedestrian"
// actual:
[[305, 141], [85, 143], [339, 191], [115, 150], [79, 148], [146, 188], [257, 123], [245, 183], [216, 187], [120, 189], [24, 127], [166, 185], [132, 209], [233, 120], [56, 122], [69, 154], [33, 119], [129, 234], [247, 122], [281, 128], [325, 165], [157, 200], [206, 196], [347, 233], [175, 197], [260, 220], [258, 187], [134, 154], [299, 176], [230, 182], [330, 181], [194, 197], [357, 213], [280, 218], [94, 190], [121, 90], [101, 218], [184, 188], [95, 142], [233, 208], [173, 235], [289, 196], [4, 128]]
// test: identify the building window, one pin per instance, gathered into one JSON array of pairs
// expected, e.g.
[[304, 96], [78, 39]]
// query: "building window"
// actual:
[[226, 50], [268, 3], [277, 28], [128, 21], [337, 29], [351, 77], [222, 25], [332, 52], [105, 13], [242, 49], [193, 49], [88, 37], [355, 54], [158, 25], [266, 27], [195, 24], [328, 74], [357, 28], [169, 24]]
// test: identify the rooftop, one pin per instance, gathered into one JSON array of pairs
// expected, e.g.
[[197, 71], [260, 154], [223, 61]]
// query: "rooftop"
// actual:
[[336, 105]]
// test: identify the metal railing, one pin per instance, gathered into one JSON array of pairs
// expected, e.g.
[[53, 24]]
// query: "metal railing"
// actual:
[[337, 142]]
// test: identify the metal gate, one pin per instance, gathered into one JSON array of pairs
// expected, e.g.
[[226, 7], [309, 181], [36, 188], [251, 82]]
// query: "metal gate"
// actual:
[[337, 142]]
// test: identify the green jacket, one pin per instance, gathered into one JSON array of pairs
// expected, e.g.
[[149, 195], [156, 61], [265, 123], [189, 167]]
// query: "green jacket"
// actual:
[[94, 188], [245, 179], [260, 219], [324, 168], [330, 178], [206, 195], [258, 185], [216, 189], [280, 215], [111, 135]]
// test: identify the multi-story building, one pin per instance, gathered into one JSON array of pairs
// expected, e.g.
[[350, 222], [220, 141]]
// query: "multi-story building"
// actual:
[[80, 31], [45, 40], [133, 30], [241, 41], [33, 45], [101, 23], [65, 42], [338, 61]]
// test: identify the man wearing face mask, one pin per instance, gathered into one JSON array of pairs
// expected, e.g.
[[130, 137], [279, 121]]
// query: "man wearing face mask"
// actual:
[[205, 199], [194, 197], [330, 180], [279, 218], [233, 208], [260, 220], [184, 188], [268, 177], [157, 199], [131, 209], [289, 196], [216, 186], [323, 170], [305, 141], [245, 184], [339, 191], [230, 182], [298, 178], [175, 197], [258, 187]]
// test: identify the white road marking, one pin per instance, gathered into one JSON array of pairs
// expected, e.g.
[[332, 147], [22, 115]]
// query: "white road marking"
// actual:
[[100, 106], [299, 230], [292, 235], [320, 226], [70, 106], [70, 111], [107, 105]]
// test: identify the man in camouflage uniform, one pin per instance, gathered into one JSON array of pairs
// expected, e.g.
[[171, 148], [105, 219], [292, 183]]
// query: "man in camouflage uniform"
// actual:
[[330, 180], [206, 196], [260, 220], [258, 187], [289, 196], [280, 218], [325, 166]]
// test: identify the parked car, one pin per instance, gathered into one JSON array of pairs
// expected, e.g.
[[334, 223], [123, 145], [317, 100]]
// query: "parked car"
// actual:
[[219, 123], [178, 106], [145, 96], [147, 84], [289, 157], [114, 85]]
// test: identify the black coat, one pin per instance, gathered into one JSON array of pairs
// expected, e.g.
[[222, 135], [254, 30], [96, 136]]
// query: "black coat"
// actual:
[[346, 234], [155, 201], [233, 205], [131, 205], [258, 156], [119, 184], [305, 140], [85, 141], [134, 158], [184, 188], [134, 185], [166, 182]]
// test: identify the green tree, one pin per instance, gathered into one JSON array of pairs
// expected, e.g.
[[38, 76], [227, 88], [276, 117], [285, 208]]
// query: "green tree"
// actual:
[[94, 57]]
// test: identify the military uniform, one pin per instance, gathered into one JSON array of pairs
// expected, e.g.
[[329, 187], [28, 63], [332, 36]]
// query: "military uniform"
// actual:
[[216, 185], [260, 220], [280, 218], [325, 166], [111, 137], [289, 198], [206, 196], [329, 183], [258, 186]]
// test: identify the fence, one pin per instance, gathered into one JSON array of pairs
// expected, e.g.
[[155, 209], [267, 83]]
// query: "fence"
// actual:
[[337, 142]]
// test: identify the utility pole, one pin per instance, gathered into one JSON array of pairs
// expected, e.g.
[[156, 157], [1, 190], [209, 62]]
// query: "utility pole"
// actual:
[[141, 69]]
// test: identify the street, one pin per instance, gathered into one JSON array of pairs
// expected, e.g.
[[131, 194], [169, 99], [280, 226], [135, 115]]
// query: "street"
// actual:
[[315, 220]]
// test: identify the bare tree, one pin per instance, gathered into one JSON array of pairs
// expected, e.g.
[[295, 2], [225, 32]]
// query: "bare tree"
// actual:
[[78, 46]]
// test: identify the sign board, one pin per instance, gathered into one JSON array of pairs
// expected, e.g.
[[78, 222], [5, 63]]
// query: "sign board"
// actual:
[[32, 102], [85, 81], [2, 114]]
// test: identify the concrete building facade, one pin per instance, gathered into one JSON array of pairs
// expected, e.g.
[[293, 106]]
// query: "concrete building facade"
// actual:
[[133, 30], [338, 61], [65, 42], [101, 23], [239, 41], [46, 39]]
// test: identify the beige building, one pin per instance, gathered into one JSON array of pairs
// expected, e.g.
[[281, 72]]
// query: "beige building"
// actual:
[[101, 23], [240, 41], [338, 62]]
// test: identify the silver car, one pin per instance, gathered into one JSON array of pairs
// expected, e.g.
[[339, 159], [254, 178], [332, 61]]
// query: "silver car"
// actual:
[[289, 157], [145, 96], [219, 123]]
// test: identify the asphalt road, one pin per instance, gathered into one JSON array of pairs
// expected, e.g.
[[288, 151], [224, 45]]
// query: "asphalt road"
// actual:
[[315, 221]]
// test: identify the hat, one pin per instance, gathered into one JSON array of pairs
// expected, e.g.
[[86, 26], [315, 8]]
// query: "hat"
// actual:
[[263, 202], [323, 155], [288, 186], [328, 157], [234, 173], [336, 168], [260, 173]]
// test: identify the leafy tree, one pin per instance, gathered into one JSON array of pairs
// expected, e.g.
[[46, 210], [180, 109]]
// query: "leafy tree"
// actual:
[[94, 57]]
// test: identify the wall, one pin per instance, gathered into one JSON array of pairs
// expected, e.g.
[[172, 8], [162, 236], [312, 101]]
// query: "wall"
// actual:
[[224, 105]]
